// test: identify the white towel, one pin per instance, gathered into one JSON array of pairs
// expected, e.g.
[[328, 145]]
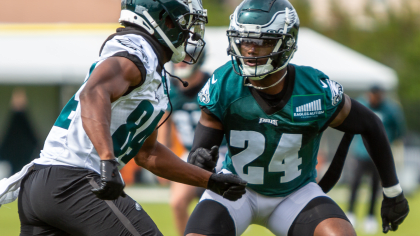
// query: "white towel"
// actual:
[[9, 187]]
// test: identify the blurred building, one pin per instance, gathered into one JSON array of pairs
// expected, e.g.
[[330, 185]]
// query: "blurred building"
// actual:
[[42, 67], [363, 13], [50, 11]]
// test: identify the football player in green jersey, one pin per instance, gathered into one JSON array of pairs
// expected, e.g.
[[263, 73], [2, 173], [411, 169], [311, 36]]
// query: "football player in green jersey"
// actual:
[[273, 114]]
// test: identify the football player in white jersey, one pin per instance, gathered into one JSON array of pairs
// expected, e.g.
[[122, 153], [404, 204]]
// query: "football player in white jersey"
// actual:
[[75, 187]]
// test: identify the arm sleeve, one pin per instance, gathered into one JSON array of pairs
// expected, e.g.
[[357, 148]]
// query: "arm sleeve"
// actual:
[[206, 137], [363, 121]]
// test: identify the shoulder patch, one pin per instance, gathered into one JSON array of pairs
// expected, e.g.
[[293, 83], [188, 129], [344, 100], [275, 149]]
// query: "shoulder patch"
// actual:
[[336, 91], [127, 42], [204, 94]]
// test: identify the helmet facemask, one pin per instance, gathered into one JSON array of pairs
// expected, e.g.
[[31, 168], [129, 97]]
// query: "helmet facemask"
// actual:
[[195, 30], [187, 20], [274, 43], [183, 70]]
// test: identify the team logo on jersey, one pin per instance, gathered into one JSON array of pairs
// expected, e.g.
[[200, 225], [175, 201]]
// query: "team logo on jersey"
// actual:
[[308, 107], [324, 85], [336, 91], [130, 44], [268, 121], [204, 94], [213, 81]]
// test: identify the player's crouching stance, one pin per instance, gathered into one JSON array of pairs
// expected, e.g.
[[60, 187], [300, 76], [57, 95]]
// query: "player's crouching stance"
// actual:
[[111, 119], [273, 115]]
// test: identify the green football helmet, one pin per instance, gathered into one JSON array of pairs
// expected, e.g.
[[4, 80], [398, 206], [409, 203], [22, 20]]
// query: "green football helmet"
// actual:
[[172, 22], [271, 24]]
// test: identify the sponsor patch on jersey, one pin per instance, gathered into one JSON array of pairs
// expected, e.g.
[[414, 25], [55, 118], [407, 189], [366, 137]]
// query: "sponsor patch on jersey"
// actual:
[[204, 94], [308, 107]]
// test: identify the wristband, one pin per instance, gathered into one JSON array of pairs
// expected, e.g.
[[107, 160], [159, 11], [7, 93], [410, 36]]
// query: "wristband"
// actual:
[[393, 191]]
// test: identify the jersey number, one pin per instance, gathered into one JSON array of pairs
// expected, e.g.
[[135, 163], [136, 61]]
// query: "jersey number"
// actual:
[[285, 159], [129, 137]]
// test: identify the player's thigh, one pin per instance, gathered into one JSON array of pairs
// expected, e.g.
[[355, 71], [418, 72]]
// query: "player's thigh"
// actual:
[[92, 216], [123, 216], [288, 213], [45, 230], [321, 217], [215, 215], [30, 225], [62, 198]]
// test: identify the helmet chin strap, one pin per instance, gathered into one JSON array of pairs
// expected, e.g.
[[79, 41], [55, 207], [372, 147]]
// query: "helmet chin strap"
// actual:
[[262, 88], [255, 70], [185, 72], [179, 54]]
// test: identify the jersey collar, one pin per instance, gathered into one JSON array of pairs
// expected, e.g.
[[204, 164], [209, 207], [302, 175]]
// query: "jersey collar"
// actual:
[[265, 106]]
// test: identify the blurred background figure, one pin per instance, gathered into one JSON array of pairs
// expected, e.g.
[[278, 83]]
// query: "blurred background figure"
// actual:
[[179, 129], [20, 145], [178, 132], [392, 117]]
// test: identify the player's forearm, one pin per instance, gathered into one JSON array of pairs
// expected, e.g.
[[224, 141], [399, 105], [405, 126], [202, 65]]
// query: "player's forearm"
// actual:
[[96, 118], [363, 121], [164, 163]]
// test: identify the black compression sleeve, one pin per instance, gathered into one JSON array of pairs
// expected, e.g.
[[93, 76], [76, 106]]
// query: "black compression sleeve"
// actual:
[[363, 121], [206, 137]]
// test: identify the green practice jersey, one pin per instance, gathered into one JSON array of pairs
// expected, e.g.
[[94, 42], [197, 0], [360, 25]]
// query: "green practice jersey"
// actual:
[[274, 148]]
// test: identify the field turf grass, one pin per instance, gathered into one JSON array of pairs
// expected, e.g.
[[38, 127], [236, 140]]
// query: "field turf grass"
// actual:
[[161, 214]]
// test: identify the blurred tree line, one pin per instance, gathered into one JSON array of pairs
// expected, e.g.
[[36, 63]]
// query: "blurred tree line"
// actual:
[[392, 39]]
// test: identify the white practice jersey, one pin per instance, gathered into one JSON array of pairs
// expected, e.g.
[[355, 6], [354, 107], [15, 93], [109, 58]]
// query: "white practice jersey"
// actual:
[[134, 116]]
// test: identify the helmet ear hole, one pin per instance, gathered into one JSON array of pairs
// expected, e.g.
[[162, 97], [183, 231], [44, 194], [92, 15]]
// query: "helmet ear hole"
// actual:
[[169, 23]]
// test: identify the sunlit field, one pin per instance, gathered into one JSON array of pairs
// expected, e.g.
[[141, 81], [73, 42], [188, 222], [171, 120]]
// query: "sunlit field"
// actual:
[[161, 214]]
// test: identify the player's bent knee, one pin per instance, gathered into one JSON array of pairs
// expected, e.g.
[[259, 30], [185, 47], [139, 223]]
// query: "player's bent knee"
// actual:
[[321, 217], [334, 227], [210, 217]]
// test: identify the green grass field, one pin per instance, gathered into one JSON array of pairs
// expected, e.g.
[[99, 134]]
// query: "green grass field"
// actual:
[[161, 214]]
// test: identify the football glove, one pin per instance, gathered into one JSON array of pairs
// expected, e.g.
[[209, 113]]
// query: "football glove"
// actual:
[[111, 184], [229, 186], [204, 158], [393, 212]]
